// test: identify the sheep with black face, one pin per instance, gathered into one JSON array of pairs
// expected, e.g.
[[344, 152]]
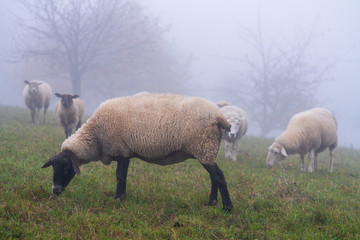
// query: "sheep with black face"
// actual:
[[69, 111], [157, 128]]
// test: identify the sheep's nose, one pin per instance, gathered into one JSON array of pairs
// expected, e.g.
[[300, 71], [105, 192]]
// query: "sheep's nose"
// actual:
[[232, 135], [57, 190]]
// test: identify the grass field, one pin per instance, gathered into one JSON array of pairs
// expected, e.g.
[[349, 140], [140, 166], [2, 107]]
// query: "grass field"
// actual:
[[169, 202]]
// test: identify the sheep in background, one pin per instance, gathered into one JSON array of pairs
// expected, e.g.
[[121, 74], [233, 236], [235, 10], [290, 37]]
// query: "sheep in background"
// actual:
[[141, 93], [222, 103], [310, 132], [238, 120], [69, 112], [157, 128], [37, 95]]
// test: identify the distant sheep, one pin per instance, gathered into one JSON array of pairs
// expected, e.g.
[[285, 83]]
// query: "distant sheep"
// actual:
[[239, 125], [69, 112], [222, 103], [37, 95], [310, 132], [157, 128], [141, 93]]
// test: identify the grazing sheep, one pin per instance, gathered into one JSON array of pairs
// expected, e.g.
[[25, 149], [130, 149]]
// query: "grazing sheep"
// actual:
[[222, 103], [157, 128], [37, 95], [69, 111], [310, 132], [239, 126]]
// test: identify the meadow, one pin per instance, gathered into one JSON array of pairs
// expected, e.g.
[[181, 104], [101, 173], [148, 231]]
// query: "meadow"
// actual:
[[169, 202]]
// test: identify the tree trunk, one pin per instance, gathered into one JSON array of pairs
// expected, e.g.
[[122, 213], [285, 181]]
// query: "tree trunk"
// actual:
[[76, 82]]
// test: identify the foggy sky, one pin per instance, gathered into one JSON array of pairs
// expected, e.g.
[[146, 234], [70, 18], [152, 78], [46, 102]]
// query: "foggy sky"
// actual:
[[209, 29]]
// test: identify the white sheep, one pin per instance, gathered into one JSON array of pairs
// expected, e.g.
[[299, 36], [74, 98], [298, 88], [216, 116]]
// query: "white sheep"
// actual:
[[37, 95], [239, 125], [310, 132], [222, 103], [69, 112], [157, 128]]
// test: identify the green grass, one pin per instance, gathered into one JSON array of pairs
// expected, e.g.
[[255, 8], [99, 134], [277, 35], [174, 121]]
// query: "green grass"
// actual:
[[170, 202]]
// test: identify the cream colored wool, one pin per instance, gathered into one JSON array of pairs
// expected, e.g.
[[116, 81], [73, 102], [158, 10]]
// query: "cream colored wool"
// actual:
[[158, 128], [40, 100], [239, 126], [312, 130]]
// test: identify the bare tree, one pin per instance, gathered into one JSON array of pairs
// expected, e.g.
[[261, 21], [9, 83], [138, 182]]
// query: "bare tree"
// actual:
[[85, 38], [280, 80]]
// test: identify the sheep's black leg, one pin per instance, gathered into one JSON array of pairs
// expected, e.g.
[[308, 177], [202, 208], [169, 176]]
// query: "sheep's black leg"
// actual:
[[121, 174], [68, 132], [218, 182]]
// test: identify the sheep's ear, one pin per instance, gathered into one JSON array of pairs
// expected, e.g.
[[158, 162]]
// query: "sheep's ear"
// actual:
[[283, 152], [48, 163], [58, 95], [27, 82], [75, 96], [75, 164]]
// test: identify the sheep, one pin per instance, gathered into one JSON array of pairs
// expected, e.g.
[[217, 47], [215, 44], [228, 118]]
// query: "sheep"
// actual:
[[157, 128], [37, 95], [311, 131], [222, 103], [238, 120], [69, 111]]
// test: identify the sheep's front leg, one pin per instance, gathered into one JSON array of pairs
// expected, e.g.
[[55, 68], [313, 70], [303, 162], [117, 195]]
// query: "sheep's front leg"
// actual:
[[218, 182], [227, 149], [121, 174], [234, 151], [33, 113]]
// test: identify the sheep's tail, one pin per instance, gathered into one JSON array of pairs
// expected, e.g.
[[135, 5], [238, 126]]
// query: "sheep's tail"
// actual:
[[222, 123]]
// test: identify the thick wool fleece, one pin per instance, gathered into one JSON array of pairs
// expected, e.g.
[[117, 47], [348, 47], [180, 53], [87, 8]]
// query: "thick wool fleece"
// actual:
[[312, 129], [158, 128]]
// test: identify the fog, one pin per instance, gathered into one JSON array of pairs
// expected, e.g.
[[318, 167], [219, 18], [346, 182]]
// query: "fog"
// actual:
[[210, 30]]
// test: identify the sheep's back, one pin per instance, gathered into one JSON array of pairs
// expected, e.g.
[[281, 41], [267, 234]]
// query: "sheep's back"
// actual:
[[152, 124], [318, 125]]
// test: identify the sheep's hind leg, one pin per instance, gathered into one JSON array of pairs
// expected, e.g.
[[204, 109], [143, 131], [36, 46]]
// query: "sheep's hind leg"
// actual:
[[218, 182], [331, 160], [121, 174]]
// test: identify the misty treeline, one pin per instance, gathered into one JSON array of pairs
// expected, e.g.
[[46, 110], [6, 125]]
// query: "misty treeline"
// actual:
[[98, 48], [276, 79], [105, 48]]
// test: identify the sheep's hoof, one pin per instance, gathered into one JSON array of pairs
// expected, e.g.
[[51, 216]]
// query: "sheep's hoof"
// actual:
[[227, 209], [212, 202], [120, 198]]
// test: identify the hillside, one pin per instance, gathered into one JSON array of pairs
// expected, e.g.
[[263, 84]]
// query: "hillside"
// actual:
[[169, 202]]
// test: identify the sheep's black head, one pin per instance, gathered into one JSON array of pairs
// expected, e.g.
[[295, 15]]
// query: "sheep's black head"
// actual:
[[65, 166], [33, 87], [66, 99]]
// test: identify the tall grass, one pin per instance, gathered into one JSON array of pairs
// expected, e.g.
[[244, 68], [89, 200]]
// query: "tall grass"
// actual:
[[170, 202]]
